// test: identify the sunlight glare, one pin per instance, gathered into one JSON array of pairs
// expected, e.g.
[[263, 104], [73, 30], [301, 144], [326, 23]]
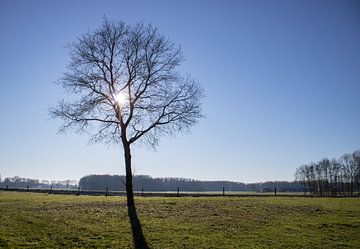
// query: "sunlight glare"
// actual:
[[120, 98]]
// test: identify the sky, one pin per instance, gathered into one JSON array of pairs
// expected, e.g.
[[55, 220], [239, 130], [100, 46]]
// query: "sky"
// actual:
[[281, 80]]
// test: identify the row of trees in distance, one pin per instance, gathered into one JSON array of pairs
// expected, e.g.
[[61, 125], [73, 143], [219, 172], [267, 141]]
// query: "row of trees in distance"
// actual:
[[147, 183], [20, 182], [338, 176]]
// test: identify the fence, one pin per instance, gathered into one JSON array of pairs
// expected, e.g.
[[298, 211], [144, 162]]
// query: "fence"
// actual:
[[177, 193]]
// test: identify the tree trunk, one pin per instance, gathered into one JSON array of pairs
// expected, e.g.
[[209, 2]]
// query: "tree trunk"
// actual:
[[129, 185]]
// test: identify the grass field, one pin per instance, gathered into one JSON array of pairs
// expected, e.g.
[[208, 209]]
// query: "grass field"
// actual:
[[30, 220]]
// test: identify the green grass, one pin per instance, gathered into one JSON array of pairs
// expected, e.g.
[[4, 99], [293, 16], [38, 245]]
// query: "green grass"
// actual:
[[52, 221]]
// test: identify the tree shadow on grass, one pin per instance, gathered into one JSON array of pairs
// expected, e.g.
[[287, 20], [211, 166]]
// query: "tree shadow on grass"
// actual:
[[138, 236]]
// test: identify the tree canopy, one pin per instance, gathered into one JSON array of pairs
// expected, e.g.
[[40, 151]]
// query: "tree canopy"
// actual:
[[126, 79]]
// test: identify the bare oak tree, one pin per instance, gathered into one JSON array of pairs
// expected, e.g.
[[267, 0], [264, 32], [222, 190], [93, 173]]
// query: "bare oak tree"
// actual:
[[349, 168], [127, 87]]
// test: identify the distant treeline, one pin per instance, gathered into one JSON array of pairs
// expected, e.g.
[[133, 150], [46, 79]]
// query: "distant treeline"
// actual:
[[19, 182], [332, 177], [147, 183]]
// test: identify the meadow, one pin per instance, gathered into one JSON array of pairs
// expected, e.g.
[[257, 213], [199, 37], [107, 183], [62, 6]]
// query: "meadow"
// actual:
[[37, 220]]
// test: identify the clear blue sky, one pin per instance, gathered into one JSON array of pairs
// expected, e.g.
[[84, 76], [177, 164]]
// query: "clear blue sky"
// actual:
[[282, 80]]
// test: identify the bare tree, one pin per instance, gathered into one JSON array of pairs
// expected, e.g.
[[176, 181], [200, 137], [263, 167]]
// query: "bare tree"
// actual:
[[356, 156], [324, 165], [335, 171], [127, 88], [349, 168], [301, 176]]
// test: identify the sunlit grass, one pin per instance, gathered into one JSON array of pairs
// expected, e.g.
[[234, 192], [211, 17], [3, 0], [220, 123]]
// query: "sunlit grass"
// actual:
[[50, 221]]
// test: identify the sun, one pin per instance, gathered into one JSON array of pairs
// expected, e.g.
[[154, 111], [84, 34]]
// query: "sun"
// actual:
[[120, 98]]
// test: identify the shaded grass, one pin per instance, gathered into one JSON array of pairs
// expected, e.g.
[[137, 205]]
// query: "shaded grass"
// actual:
[[50, 221]]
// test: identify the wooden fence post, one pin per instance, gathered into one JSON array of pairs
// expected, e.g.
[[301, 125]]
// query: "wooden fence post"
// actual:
[[178, 191], [78, 192], [223, 191], [106, 192]]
